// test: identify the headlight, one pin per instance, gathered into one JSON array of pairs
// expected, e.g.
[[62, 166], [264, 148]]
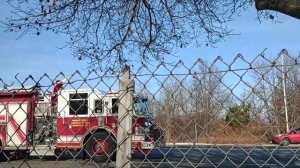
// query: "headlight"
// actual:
[[148, 123]]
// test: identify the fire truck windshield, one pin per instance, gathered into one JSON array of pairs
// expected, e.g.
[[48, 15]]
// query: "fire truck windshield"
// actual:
[[141, 106]]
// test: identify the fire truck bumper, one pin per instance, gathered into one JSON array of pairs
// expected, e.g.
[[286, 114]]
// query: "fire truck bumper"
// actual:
[[143, 145], [147, 145]]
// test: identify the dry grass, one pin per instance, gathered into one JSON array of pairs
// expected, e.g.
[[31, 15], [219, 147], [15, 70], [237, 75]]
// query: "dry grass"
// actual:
[[219, 134]]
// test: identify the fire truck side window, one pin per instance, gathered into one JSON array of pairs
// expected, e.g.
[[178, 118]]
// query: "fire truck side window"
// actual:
[[115, 106], [98, 106], [78, 104]]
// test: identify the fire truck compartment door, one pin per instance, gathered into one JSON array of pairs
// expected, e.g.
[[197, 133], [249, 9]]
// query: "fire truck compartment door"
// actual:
[[2, 122], [16, 124]]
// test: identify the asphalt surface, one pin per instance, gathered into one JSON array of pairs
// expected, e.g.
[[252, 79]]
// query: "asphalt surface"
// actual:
[[181, 156]]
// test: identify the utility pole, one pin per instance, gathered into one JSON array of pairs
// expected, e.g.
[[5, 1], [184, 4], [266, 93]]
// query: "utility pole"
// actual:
[[283, 52], [124, 139]]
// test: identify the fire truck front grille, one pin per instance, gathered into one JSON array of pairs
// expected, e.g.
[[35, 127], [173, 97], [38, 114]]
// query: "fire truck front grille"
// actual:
[[140, 131]]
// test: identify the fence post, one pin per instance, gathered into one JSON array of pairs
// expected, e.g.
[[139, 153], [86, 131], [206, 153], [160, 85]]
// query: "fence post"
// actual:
[[124, 139]]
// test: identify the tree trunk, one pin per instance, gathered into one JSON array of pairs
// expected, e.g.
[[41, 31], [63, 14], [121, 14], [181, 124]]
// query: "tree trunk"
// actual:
[[288, 7]]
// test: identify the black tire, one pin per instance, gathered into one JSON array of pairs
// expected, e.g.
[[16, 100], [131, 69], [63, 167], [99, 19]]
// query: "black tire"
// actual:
[[24, 155], [285, 142], [159, 137], [101, 147], [4, 155]]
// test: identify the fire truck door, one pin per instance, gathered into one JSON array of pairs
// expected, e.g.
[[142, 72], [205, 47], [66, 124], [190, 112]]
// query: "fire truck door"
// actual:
[[16, 124]]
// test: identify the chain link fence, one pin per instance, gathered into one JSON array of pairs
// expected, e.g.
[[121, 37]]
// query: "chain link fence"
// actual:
[[218, 114]]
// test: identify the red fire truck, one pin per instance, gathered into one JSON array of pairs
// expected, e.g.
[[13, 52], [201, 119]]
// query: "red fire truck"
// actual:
[[71, 119]]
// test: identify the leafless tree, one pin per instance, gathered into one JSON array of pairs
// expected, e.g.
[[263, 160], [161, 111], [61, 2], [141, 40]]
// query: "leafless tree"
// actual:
[[108, 34], [191, 107], [172, 109], [292, 76], [209, 98], [267, 91]]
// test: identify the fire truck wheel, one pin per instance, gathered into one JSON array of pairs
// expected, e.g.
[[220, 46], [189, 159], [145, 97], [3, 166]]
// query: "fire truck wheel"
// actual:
[[2, 156], [101, 147], [159, 137]]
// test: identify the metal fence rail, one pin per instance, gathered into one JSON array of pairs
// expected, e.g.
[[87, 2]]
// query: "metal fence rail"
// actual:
[[215, 114]]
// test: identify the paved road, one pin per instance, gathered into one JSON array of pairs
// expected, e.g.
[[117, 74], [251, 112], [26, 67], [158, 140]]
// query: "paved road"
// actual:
[[184, 156]]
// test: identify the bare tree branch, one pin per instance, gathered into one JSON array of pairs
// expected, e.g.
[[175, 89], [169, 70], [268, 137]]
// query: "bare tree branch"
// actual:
[[289, 7], [108, 34]]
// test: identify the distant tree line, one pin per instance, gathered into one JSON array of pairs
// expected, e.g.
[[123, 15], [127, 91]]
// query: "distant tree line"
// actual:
[[202, 108]]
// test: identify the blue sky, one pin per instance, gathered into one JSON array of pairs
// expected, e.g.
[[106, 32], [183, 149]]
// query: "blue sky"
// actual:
[[36, 55]]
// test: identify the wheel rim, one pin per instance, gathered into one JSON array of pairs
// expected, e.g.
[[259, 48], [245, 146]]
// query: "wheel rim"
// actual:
[[285, 142], [100, 147]]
